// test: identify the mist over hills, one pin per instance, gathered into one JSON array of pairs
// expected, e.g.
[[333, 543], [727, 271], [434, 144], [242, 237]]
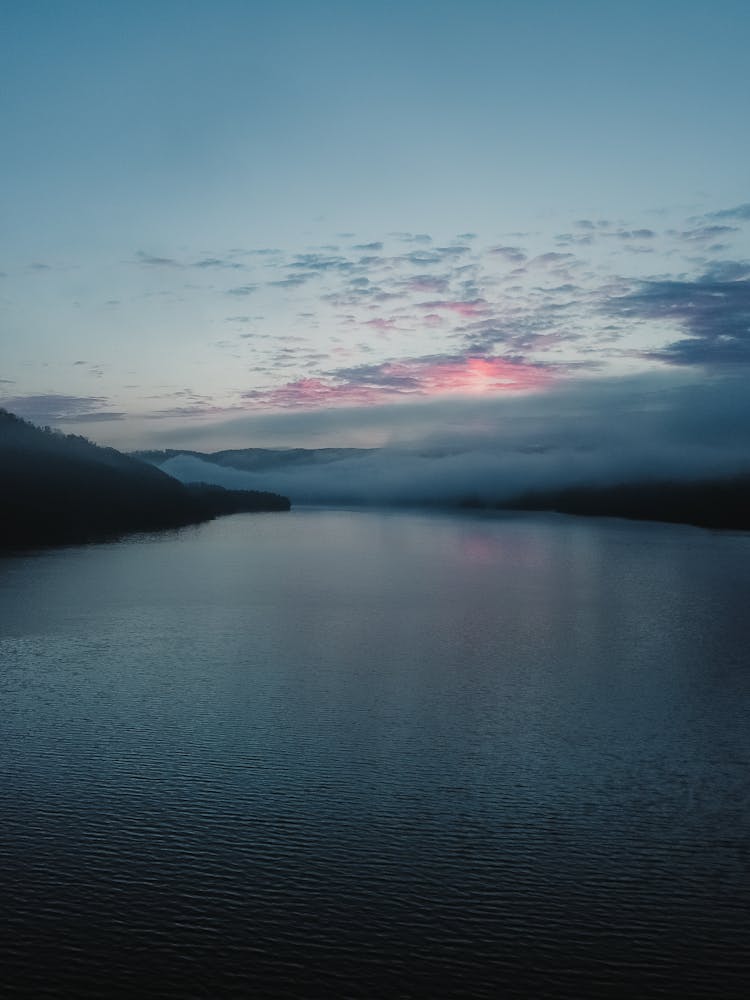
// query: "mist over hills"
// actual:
[[259, 459], [57, 489], [529, 478]]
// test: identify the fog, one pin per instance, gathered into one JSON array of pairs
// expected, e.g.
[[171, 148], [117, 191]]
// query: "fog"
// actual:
[[597, 432]]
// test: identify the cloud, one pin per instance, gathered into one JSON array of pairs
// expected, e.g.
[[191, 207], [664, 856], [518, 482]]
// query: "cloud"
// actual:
[[738, 212], [218, 262], [513, 254], [149, 260], [320, 263], [190, 410], [474, 307], [51, 408], [293, 281], [704, 234], [242, 290], [422, 258], [601, 431], [633, 234], [571, 240], [522, 331], [380, 323], [313, 392], [715, 314], [589, 225], [438, 375], [426, 283], [552, 259], [412, 237]]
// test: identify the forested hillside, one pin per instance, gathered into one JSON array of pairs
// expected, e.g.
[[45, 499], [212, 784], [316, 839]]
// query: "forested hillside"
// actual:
[[57, 488]]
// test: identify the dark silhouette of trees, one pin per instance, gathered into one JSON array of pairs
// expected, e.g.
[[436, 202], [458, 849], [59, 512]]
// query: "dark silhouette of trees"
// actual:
[[712, 503], [57, 488]]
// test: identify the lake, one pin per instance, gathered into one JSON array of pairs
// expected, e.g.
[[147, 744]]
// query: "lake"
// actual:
[[368, 754]]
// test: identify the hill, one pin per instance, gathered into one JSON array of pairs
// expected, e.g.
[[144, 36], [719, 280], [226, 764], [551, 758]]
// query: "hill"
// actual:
[[708, 503], [259, 459], [57, 488]]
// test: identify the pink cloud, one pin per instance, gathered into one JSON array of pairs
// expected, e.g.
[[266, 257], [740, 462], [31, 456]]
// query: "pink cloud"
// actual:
[[367, 385], [381, 324], [472, 307], [311, 393], [472, 376]]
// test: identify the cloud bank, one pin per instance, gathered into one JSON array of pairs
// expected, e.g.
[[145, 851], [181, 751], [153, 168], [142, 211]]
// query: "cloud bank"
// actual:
[[600, 432]]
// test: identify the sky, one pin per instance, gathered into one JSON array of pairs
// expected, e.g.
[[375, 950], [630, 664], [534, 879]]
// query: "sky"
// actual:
[[242, 224]]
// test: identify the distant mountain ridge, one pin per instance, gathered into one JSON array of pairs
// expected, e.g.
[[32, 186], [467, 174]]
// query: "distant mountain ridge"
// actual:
[[57, 489], [258, 459]]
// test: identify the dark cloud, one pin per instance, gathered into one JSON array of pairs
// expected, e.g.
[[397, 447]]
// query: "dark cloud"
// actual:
[[453, 251], [422, 258], [293, 281], [434, 256], [425, 283], [738, 212], [633, 234], [218, 262], [150, 260], [52, 408], [422, 377], [514, 254], [714, 312], [703, 234], [571, 240], [193, 410], [552, 258], [597, 431], [320, 263], [384, 375], [368, 246], [728, 270], [242, 290], [412, 237], [91, 418], [539, 329]]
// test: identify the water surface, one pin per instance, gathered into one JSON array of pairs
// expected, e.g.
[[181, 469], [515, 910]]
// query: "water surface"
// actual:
[[352, 754]]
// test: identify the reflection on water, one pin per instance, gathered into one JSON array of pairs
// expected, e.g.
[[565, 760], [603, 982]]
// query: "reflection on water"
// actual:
[[362, 754]]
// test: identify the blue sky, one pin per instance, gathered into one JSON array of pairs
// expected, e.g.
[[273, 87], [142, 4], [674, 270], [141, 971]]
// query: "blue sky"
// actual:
[[243, 222]]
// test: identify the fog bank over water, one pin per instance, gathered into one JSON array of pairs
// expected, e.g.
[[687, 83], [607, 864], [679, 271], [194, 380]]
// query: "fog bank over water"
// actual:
[[597, 433]]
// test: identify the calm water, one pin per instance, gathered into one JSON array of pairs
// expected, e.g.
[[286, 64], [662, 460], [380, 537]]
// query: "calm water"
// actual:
[[378, 755]]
